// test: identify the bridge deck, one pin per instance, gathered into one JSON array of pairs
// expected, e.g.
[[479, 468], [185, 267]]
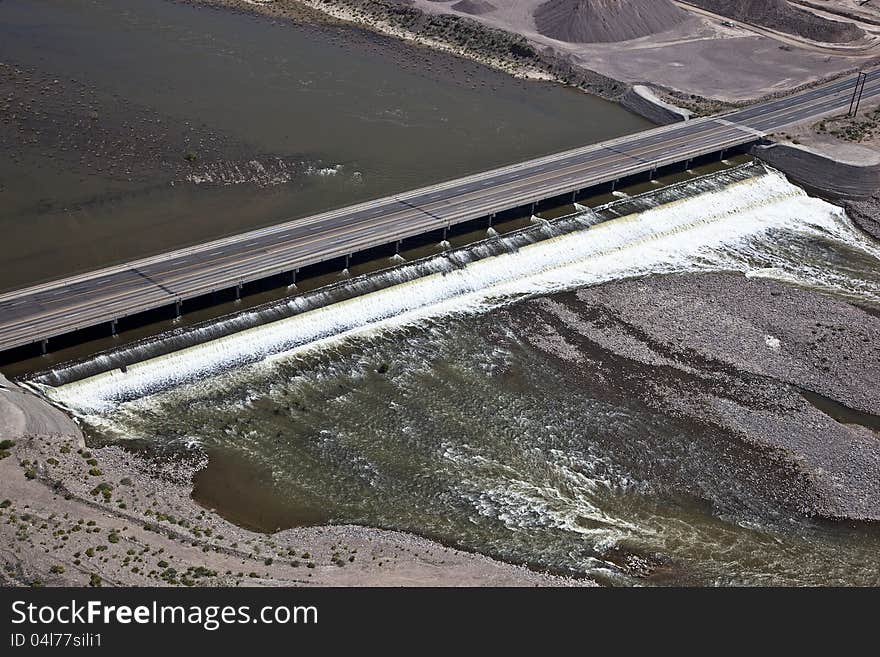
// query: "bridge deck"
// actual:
[[48, 310]]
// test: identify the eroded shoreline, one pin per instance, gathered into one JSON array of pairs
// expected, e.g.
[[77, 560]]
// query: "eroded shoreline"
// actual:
[[76, 516], [738, 365]]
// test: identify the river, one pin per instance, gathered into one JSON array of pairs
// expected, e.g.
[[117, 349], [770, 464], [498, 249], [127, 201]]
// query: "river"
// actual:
[[435, 402], [104, 102], [441, 405]]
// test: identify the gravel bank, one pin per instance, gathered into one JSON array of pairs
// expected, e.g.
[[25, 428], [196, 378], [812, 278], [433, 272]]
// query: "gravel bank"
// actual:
[[866, 214], [736, 354]]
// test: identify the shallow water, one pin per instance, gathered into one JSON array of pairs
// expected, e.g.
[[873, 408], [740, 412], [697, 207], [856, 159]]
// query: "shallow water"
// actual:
[[426, 412]]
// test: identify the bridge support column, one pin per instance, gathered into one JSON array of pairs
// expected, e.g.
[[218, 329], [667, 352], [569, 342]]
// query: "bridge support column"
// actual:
[[347, 260], [238, 292], [44, 347], [113, 328], [397, 247], [445, 233], [687, 165], [534, 205], [491, 219], [722, 155], [177, 305], [613, 185], [293, 276]]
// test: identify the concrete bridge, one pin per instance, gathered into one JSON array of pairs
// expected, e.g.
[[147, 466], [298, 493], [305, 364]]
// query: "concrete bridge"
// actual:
[[32, 317]]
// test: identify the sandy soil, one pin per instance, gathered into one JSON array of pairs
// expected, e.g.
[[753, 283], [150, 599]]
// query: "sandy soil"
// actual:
[[700, 56], [71, 516], [850, 140]]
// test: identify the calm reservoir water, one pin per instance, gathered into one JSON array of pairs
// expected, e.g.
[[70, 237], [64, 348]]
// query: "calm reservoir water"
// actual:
[[133, 87]]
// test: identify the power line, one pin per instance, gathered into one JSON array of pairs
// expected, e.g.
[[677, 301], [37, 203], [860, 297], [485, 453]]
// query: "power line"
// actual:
[[857, 94]]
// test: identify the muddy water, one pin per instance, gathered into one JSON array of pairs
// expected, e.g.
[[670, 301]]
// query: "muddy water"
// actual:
[[444, 421], [135, 126]]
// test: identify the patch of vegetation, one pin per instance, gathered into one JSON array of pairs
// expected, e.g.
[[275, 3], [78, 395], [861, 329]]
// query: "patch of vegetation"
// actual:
[[104, 489], [851, 129], [169, 575]]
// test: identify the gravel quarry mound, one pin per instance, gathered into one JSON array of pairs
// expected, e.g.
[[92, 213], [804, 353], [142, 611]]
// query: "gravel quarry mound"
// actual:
[[474, 7], [781, 15], [604, 21]]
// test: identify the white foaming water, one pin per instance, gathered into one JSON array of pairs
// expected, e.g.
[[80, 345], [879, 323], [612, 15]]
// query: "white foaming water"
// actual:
[[717, 230]]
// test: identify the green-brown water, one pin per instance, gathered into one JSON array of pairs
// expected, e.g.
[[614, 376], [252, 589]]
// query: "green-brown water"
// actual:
[[102, 102], [430, 413], [428, 408]]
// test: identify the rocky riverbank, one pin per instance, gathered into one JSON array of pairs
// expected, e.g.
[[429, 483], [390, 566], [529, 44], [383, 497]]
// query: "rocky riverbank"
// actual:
[[865, 214], [781, 377], [71, 515]]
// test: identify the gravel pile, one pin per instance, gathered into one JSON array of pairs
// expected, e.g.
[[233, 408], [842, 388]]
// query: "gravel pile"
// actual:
[[600, 21]]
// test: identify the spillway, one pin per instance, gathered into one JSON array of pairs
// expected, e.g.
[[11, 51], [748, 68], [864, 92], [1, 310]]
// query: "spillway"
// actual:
[[685, 227]]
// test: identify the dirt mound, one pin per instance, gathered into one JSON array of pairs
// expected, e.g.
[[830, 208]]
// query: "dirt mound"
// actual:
[[475, 7], [781, 15], [591, 21]]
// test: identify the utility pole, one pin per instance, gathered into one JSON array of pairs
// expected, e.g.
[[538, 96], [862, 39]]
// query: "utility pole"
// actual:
[[857, 93]]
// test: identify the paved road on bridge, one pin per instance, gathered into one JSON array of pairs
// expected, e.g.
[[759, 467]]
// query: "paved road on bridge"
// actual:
[[48, 310]]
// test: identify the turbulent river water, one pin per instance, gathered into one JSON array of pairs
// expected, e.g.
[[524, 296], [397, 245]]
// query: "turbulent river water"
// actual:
[[416, 406]]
